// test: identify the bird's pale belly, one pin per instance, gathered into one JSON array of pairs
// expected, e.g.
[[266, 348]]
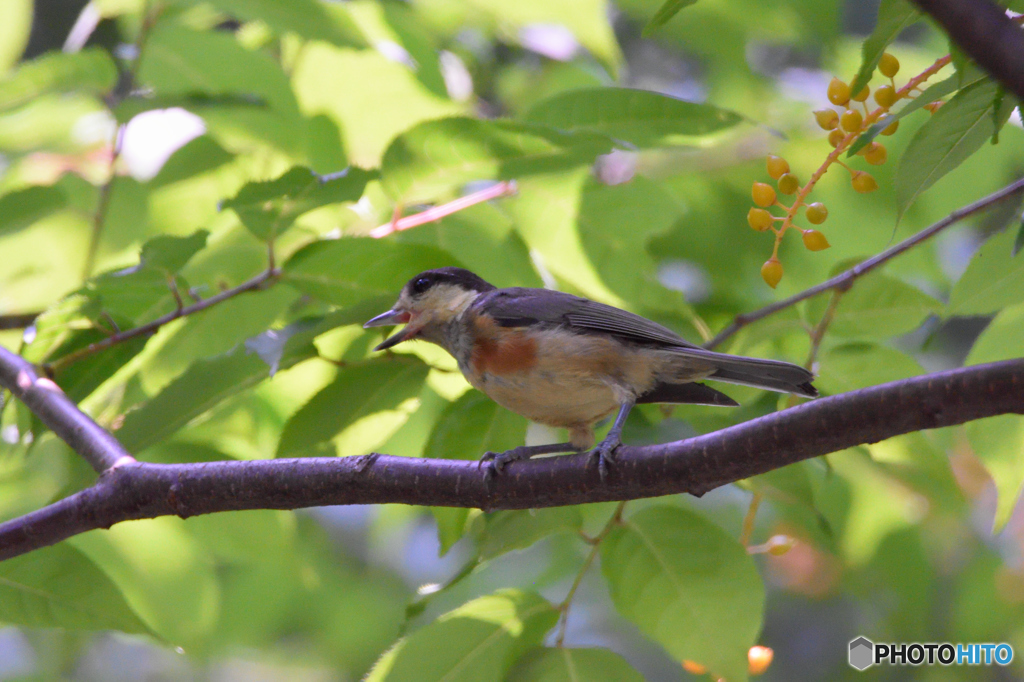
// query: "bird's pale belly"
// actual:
[[561, 399]]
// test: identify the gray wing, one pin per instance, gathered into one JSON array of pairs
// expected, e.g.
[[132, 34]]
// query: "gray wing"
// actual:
[[518, 307]]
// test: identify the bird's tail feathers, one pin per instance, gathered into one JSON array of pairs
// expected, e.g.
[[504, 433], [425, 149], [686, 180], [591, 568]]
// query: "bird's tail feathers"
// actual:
[[771, 375]]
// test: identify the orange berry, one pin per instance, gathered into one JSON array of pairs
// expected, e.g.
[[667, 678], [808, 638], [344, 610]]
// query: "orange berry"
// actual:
[[758, 659], [777, 166], [788, 184], [694, 668], [875, 154], [864, 183], [778, 545], [862, 95], [814, 241], [827, 119], [838, 92], [771, 272], [891, 128], [759, 219], [885, 95], [816, 213], [888, 65], [763, 194], [835, 137], [851, 120]]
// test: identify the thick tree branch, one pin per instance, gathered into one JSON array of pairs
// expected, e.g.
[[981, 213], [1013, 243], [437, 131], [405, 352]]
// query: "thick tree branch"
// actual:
[[986, 34], [845, 280], [49, 403], [141, 491]]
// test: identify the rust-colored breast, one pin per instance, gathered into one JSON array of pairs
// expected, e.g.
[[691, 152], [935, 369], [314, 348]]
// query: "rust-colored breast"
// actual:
[[501, 351]]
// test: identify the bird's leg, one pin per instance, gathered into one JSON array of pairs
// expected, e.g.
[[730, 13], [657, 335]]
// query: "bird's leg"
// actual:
[[499, 460], [605, 450]]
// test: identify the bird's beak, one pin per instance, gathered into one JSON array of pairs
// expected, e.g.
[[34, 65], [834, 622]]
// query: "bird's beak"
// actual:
[[391, 317]]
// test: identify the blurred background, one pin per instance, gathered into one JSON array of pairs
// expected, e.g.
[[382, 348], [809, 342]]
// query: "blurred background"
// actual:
[[899, 548]]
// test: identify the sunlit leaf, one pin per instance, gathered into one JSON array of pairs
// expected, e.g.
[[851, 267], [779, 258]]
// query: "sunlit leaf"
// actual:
[[994, 279], [687, 584], [438, 157], [477, 642], [668, 10], [893, 17], [310, 19], [954, 132], [1003, 338], [15, 25], [170, 254], [637, 117], [91, 70], [999, 444], [21, 208], [194, 158], [357, 392], [574, 665]]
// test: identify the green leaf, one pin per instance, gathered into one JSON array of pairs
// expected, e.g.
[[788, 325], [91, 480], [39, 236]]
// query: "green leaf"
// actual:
[[358, 391], [1019, 242], [436, 157], [270, 207], [638, 117], [170, 254], [993, 280], [668, 10], [203, 386], [477, 642], [1003, 338], [347, 270], [22, 208], [932, 94], [57, 587], [197, 156], [853, 366], [953, 133], [893, 17], [687, 584], [82, 377], [91, 70], [574, 665], [469, 427], [999, 443], [310, 19], [877, 307], [15, 26], [507, 531]]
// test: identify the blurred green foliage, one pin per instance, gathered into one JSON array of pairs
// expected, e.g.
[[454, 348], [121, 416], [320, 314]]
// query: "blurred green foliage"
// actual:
[[186, 146]]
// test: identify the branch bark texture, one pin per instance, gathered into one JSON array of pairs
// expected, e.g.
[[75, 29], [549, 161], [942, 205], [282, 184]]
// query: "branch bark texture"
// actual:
[[139, 490]]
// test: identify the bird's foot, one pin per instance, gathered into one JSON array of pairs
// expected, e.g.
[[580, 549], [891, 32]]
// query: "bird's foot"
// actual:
[[497, 461], [604, 453]]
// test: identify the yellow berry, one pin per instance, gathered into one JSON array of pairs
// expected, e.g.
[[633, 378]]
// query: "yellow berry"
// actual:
[[888, 65], [814, 241], [827, 119], [885, 95], [816, 213], [759, 219], [763, 194], [891, 128], [876, 154], [777, 166], [694, 668], [788, 184], [771, 272], [758, 659], [778, 545], [838, 92], [835, 137], [851, 120], [864, 183], [862, 95]]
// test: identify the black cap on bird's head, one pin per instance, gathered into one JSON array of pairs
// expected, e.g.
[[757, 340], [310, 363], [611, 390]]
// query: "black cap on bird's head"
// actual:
[[427, 301]]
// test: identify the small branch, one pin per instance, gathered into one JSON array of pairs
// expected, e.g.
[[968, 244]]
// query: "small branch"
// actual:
[[49, 403], [695, 466], [17, 320], [845, 280], [253, 284], [983, 31], [396, 224], [747, 532]]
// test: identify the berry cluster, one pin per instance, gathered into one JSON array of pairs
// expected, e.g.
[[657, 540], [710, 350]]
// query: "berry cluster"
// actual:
[[844, 128]]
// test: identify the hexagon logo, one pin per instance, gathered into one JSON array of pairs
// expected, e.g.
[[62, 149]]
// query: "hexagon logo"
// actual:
[[862, 653]]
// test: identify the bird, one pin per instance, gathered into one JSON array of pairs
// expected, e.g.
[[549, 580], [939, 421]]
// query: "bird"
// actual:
[[567, 361]]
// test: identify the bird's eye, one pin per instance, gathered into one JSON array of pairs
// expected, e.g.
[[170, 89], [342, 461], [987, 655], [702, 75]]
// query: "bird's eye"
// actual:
[[421, 284]]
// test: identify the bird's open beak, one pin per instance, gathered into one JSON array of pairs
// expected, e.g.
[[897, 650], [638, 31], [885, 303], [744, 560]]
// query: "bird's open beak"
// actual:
[[391, 317]]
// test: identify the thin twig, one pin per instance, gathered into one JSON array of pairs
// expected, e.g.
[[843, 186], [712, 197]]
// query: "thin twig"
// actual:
[[747, 531], [846, 279], [396, 224], [595, 546]]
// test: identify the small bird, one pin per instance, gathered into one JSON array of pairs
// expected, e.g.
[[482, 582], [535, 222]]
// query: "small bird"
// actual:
[[567, 361]]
